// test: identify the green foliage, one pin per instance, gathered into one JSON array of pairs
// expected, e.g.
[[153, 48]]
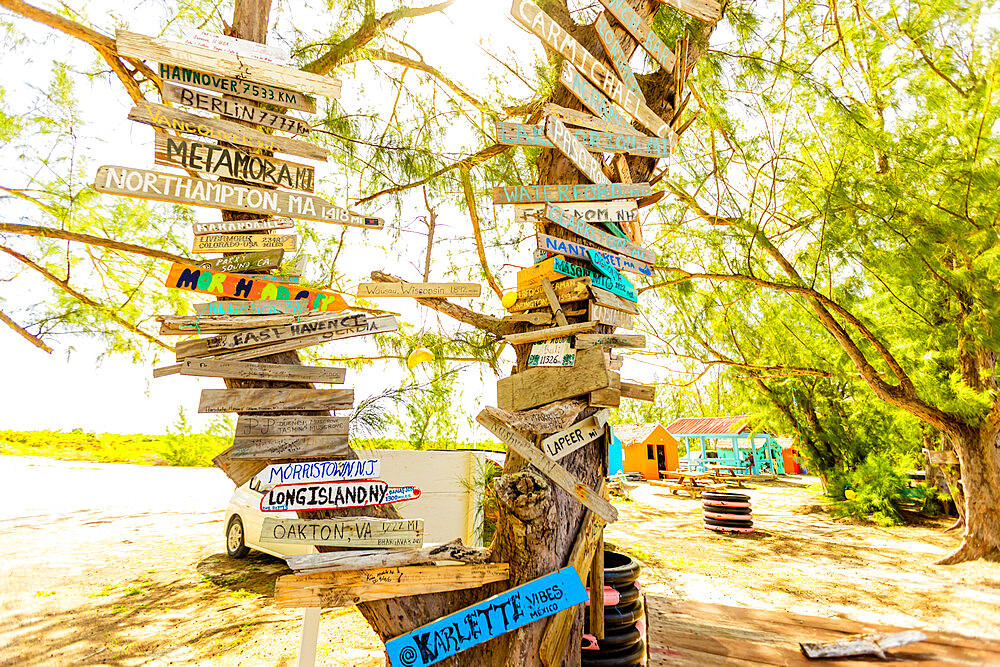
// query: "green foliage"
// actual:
[[182, 447], [878, 485]]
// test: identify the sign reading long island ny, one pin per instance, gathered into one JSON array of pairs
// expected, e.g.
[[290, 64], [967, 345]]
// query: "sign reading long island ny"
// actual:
[[334, 495]]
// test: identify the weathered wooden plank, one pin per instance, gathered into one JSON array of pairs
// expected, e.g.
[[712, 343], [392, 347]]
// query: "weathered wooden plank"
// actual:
[[610, 396], [594, 100], [706, 10], [870, 644], [271, 400], [595, 140], [274, 425], [232, 163], [290, 447], [557, 268], [556, 214], [240, 242], [616, 54], [590, 121], [538, 386], [419, 290], [555, 36], [218, 283], [576, 436], [531, 194], [554, 305], [576, 152], [356, 532], [442, 638], [567, 291], [317, 471], [235, 46], [247, 90], [245, 370], [596, 610], [240, 471], [610, 340], [551, 244], [555, 472], [640, 392], [232, 108], [618, 211], [334, 495], [609, 300], [537, 319], [178, 120], [610, 316], [157, 186], [230, 313], [331, 322], [550, 333], [343, 589], [348, 560], [250, 261], [639, 28], [134, 45]]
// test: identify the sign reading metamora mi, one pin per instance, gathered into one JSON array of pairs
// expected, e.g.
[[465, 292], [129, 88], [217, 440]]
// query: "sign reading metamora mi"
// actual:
[[146, 184]]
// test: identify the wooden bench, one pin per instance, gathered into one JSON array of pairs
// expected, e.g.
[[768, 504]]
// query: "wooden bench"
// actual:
[[694, 491]]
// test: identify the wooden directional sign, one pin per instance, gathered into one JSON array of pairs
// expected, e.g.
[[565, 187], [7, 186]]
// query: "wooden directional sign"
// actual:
[[550, 333], [232, 163], [538, 386], [551, 244], [290, 447], [576, 436], [583, 341], [592, 98], [557, 215], [555, 472], [236, 308], [202, 192], [334, 495], [333, 323], [566, 143], [347, 588], [706, 10], [360, 532], [610, 316], [245, 370], [319, 471], [229, 131], [556, 268], [232, 108], [595, 140], [566, 291], [485, 620], [217, 283], [272, 278], [617, 55], [130, 44], [274, 400], [238, 242], [642, 31], [235, 46], [640, 392], [274, 425], [267, 259], [247, 90], [533, 194], [589, 121], [555, 36], [419, 290]]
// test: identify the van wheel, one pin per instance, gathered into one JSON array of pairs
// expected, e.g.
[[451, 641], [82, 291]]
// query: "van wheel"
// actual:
[[235, 546]]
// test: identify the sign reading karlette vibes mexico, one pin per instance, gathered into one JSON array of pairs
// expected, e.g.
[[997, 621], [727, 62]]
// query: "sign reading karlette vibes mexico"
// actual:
[[205, 281]]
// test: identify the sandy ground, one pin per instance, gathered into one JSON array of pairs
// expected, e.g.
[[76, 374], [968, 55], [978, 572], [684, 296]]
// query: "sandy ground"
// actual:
[[125, 565]]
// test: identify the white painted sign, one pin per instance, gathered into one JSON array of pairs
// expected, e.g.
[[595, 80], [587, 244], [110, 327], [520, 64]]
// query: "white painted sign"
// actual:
[[334, 495], [235, 46], [576, 436], [555, 352], [319, 471]]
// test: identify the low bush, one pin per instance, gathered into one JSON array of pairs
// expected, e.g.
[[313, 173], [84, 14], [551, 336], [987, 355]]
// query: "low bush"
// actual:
[[874, 490]]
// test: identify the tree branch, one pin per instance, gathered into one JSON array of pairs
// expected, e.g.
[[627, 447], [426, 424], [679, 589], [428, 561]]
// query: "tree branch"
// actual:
[[25, 334], [470, 202], [65, 286], [48, 232]]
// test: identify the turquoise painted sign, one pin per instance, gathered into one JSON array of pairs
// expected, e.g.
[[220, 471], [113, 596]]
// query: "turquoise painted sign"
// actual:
[[620, 285], [485, 620], [578, 250]]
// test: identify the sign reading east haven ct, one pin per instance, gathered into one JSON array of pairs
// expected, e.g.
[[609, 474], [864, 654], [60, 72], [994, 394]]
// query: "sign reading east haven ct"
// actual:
[[217, 283], [334, 495], [319, 471], [485, 620], [362, 532], [145, 184]]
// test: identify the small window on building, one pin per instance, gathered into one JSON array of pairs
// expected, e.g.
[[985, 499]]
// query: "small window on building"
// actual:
[[650, 454]]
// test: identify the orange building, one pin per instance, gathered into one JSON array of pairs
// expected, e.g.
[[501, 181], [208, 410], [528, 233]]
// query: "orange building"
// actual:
[[648, 449]]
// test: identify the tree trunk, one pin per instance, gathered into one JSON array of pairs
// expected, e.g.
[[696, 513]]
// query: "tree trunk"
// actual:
[[978, 453]]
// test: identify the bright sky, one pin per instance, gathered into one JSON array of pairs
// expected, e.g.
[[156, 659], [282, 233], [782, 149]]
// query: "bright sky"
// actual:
[[64, 391]]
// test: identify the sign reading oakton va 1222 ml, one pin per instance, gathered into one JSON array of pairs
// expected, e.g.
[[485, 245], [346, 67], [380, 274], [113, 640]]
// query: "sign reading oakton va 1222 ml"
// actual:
[[485, 620]]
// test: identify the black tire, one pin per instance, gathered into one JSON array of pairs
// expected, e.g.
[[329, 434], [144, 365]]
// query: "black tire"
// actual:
[[625, 657], [626, 594], [618, 616], [727, 497], [619, 569], [722, 509], [725, 523], [235, 545], [618, 638]]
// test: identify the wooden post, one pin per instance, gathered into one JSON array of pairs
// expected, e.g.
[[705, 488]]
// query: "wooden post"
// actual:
[[310, 637], [597, 590]]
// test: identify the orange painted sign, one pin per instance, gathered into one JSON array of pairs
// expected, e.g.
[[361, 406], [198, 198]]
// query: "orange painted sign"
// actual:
[[217, 283]]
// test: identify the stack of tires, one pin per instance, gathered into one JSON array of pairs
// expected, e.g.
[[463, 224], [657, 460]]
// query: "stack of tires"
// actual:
[[727, 512], [622, 644]]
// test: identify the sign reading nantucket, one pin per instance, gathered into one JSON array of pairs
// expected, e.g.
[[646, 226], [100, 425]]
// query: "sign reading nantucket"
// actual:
[[595, 235], [146, 184], [485, 620], [217, 283], [419, 290], [551, 244], [334, 495]]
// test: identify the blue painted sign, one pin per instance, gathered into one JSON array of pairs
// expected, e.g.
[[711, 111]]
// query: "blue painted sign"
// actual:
[[620, 286], [485, 620], [551, 244]]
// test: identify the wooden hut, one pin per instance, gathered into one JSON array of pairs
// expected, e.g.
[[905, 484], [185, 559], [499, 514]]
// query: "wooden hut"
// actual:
[[726, 441], [648, 449]]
